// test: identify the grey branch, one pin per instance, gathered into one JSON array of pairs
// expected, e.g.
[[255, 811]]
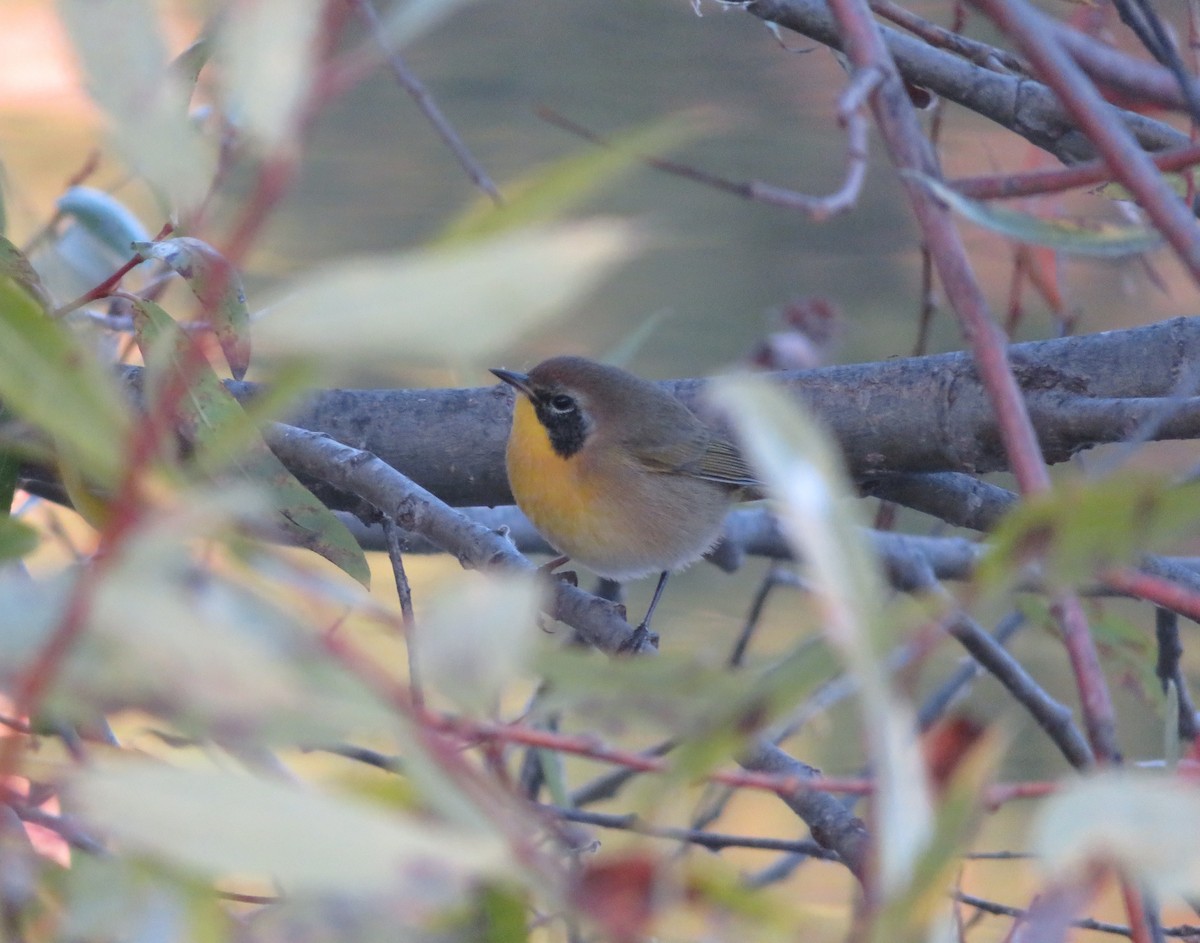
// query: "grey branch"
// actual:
[[912, 415], [1018, 103]]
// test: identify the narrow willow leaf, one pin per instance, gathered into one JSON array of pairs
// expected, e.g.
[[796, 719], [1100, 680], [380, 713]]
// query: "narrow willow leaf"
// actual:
[[1101, 240], [128, 76], [436, 306], [211, 412], [105, 217], [549, 192], [218, 287], [266, 52], [50, 380], [1144, 825], [910, 915], [802, 468], [223, 823]]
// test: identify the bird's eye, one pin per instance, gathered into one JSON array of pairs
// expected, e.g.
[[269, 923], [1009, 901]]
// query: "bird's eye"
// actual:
[[562, 403]]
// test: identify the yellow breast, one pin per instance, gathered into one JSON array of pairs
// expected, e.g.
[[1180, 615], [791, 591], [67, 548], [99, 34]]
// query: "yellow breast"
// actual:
[[557, 495], [606, 512]]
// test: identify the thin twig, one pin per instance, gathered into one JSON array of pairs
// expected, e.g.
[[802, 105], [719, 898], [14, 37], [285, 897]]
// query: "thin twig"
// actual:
[[714, 841], [818, 208], [1116, 929], [910, 152], [1090, 173], [1038, 37], [1170, 671], [416, 89], [395, 545]]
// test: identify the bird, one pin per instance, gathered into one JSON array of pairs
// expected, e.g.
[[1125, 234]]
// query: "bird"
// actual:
[[617, 473]]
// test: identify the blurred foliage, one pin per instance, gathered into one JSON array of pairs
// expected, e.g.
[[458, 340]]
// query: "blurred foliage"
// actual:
[[229, 660]]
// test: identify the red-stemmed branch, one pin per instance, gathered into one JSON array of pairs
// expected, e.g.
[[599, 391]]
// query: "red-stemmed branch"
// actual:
[[910, 152]]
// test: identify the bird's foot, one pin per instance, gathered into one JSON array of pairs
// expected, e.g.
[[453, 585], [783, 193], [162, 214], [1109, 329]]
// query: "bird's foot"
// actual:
[[640, 638]]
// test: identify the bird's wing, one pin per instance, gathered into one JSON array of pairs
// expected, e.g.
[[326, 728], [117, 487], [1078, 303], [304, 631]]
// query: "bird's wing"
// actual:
[[723, 462], [703, 455]]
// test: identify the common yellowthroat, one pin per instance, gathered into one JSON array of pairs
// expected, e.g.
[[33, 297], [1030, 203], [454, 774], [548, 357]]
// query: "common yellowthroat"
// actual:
[[617, 473]]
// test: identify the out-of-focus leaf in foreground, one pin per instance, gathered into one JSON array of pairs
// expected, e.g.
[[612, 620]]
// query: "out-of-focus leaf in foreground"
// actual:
[[14, 265], [550, 192], [1082, 526], [802, 469], [911, 914], [213, 418], [49, 379], [439, 306], [124, 57], [195, 648], [478, 637], [225, 824], [1143, 824], [412, 19], [265, 52]]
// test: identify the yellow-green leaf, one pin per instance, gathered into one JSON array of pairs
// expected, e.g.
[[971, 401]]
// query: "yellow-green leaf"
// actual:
[[551, 191], [48, 378], [211, 411], [224, 823], [1100, 240], [439, 306]]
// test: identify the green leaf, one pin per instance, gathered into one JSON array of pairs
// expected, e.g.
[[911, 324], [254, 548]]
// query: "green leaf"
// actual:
[[211, 412], [708, 709], [1080, 527], [16, 537], [217, 286], [266, 54], [105, 217], [1100, 240], [49, 379], [435, 306], [479, 637], [552, 191], [14, 265], [802, 468], [199, 650], [504, 914], [1144, 825], [127, 74], [221, 823]]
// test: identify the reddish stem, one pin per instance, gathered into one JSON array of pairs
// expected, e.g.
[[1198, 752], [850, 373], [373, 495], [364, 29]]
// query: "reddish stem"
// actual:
[[1003, 186], [1038, 38], [910, 151]]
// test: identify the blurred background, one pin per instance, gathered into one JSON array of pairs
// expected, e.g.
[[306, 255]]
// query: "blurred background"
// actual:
[[376, 178]]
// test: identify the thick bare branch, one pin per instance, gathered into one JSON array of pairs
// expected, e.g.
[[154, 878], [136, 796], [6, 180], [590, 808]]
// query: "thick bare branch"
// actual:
[[1022, 105]]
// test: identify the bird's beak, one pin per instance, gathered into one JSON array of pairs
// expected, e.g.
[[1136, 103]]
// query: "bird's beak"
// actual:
[[519, 381]]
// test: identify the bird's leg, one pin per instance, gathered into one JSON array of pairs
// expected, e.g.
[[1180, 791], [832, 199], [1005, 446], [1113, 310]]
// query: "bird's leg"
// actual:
[[554, 564], [642, 633], [567, 576]]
